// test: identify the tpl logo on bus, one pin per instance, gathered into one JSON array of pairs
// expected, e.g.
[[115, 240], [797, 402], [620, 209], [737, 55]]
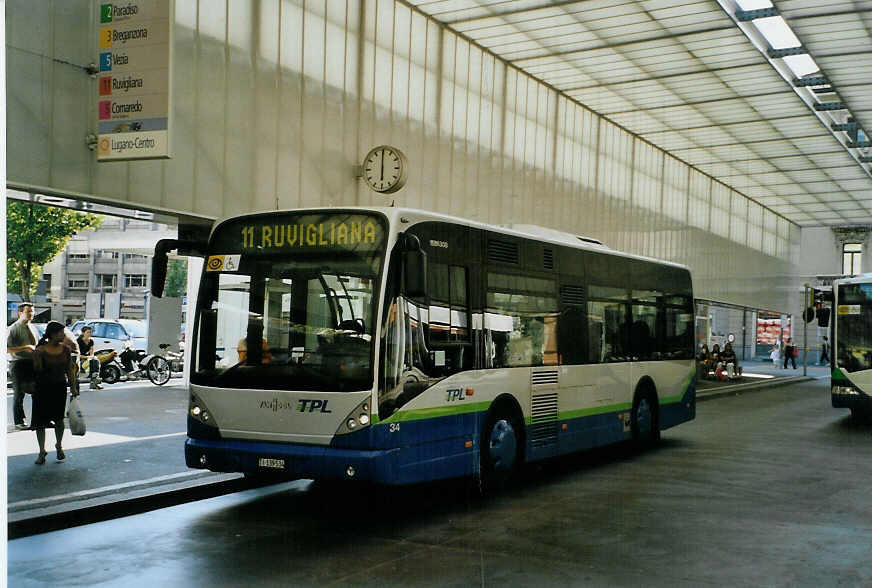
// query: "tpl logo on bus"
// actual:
[[312, 404], [455, 394], [303, 405]]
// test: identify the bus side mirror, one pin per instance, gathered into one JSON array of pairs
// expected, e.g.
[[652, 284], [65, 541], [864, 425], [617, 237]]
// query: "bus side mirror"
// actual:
[[159, 261], [414, 268]]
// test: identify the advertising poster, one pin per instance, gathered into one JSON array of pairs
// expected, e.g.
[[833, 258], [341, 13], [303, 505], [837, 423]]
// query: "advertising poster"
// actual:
[[769, 331]]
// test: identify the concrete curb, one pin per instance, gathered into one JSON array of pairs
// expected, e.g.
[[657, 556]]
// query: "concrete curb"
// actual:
[[702, 396], [73, 514]]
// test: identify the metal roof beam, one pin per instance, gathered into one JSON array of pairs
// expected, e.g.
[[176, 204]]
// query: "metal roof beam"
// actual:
[[749, 15], [822, 106], [779, 53], [811, 81]]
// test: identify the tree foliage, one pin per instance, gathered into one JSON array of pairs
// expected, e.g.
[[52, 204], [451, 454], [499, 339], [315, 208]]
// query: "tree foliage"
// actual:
[[35, 234], [177, 278]]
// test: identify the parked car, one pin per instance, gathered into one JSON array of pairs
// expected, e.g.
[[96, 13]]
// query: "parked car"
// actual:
[[114, 334]]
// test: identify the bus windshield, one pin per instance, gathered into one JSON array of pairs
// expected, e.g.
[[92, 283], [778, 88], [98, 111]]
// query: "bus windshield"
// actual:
[[290, 317], [854, 327]]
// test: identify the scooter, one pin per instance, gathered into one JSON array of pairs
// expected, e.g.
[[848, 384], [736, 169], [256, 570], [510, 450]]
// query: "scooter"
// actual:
[[134, 364]]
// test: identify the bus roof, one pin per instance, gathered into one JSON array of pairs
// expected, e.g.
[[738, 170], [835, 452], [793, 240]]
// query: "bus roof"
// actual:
[[539, 233]]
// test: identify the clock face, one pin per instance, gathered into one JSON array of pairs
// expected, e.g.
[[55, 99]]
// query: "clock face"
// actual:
[[384, 169]]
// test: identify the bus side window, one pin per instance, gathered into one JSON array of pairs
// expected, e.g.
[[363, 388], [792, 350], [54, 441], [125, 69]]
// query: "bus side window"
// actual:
[[607, 331]]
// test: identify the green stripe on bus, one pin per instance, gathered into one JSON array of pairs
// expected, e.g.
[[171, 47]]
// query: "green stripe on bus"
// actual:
[[574, 414], [443, 411], [684, 387], [431, 413], [837, 373]]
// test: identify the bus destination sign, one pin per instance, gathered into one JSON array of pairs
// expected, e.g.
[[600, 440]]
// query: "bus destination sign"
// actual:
[[302, 232]]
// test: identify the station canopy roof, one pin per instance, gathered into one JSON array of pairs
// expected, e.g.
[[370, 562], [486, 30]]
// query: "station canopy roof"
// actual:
[[782, 120]]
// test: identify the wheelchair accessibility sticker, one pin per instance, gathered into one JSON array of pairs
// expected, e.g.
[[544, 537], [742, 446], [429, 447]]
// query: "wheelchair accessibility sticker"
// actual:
[[223, 263]]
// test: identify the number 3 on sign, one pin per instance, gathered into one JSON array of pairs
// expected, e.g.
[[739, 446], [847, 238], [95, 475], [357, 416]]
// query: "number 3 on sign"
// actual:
[[395, 427]]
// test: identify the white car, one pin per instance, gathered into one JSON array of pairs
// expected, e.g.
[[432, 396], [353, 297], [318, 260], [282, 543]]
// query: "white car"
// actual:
[[114, 334]]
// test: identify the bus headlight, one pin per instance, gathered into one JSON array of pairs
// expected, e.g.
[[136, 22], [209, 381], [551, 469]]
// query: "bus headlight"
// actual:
[[197, 410], [356, 419], [845, 391]]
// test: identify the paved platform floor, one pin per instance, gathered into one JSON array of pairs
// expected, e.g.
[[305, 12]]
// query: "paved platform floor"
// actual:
[[762, 489]]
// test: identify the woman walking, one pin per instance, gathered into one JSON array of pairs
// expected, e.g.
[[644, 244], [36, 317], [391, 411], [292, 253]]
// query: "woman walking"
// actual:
[[53, 365]]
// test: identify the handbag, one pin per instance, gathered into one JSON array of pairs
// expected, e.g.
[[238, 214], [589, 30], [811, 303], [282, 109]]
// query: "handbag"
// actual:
[[796, 352], [77, 421]]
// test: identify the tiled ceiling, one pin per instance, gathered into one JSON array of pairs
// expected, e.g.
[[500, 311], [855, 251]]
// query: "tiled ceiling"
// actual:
[[689, 78]]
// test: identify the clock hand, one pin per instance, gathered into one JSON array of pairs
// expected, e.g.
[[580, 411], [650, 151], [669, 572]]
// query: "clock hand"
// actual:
[[383, 165]]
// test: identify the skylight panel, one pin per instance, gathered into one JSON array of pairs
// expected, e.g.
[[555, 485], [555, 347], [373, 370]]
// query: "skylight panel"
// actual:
[[801, 65], [776, 31]]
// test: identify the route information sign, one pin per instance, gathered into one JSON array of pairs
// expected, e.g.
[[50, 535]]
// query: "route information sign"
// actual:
[[133, 83]]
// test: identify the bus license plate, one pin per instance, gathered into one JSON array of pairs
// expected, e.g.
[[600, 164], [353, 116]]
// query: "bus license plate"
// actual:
[[268, 462]]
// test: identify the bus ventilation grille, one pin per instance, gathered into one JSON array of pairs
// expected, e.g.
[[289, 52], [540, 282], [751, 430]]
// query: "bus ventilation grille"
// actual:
[[543, 421], [572, 294], [502, 252], [540, 378], [548, 258]]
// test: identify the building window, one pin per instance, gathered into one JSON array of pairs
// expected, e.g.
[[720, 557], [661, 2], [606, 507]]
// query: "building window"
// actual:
[[104, 282], [852, 254], [105, 254], [77, 282], [79, 257], [134, 280], [134, 257]]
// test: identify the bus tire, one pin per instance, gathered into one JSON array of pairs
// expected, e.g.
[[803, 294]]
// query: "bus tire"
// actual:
[[860, 416], [645, 418], [501, 451]]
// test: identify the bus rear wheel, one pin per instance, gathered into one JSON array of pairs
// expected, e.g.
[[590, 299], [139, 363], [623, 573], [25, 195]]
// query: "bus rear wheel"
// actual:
[[500, 453], [645, 419]]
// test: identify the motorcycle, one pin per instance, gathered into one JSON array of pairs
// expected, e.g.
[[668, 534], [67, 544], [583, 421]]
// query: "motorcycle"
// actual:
[[134, 364]]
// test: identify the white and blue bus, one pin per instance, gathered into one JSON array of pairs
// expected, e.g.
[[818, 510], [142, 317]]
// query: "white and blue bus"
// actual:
[[851, 334], [399, 346]]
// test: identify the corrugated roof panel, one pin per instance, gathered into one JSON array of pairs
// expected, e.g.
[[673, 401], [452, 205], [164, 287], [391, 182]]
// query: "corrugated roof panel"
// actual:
[[640, 121], [845, 172], [781, 104], [835, 159], [673, 72], [674, 141], [808, 176], [854, 184]]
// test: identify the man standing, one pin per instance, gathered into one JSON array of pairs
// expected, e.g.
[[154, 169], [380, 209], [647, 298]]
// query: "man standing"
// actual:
[[86, 353], [20, 343], [825, 352], [789, 353]]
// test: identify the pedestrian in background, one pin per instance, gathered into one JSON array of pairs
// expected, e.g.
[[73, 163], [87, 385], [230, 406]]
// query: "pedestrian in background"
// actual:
[[789, 353], [53, 365], [825, 352], [20, 343], [87, 357]]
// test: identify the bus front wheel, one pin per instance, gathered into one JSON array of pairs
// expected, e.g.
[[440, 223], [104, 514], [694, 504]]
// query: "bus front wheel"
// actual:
[[645, 422], [500, 454]]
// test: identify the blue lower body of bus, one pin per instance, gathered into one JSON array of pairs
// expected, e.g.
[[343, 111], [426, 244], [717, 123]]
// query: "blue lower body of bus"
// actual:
[[430, 449]]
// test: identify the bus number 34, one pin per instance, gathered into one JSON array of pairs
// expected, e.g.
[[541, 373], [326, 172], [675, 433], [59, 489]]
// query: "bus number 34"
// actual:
[[394, 427]]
